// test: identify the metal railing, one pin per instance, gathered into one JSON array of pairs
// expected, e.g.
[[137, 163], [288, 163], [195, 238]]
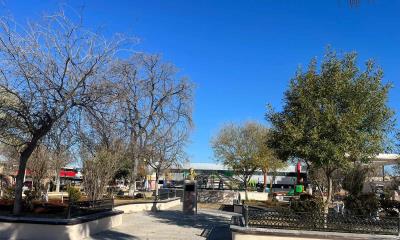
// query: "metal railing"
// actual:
[[82, 208], [168, 193], [332, 222]]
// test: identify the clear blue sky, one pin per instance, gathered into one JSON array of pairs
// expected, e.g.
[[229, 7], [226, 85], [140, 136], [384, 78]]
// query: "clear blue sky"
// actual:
[[241, 54]]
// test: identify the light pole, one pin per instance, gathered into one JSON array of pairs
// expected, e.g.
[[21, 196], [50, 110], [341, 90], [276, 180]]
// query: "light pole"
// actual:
[[62, 192]]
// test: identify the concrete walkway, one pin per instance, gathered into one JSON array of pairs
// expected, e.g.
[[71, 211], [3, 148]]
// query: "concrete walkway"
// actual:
[[171, 225]]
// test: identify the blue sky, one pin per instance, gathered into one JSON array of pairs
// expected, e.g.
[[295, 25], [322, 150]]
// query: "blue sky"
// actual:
[[241, 54]]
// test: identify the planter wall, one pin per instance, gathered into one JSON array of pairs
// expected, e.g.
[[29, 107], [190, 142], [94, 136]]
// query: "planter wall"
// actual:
[[280, 234], [64, 229], [258, 196], [149, 206]]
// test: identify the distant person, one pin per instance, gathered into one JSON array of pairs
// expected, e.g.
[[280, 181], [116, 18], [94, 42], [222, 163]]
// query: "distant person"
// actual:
[[221, 184]]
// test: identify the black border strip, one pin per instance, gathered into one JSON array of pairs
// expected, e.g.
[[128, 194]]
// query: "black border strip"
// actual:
[[53, 221], [144, 202]]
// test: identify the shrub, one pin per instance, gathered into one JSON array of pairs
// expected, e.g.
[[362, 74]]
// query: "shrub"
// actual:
[[306, 203], [364, 204], [390, 207], [354, 180], [274, 203], [9, 193], [30, 195], [74, 194], [140, 195], [124, 197]]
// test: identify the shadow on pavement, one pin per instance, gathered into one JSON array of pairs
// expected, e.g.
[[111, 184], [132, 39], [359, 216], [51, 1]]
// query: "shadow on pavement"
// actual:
[[219, 233], [110, 234], [214, 226]]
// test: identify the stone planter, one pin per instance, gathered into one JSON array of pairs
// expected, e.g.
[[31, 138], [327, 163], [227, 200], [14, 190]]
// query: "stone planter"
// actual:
[[148, 206], [64, 229]]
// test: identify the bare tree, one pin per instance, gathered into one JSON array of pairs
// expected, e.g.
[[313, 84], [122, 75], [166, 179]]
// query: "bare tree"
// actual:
[[49, 69], [39, 169], [166, 151], [103, 150], [151, 97], [59, 141], [99, 169]]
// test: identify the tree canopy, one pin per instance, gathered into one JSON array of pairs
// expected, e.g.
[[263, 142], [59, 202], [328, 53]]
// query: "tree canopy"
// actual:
[[243, 148], [333, 115]]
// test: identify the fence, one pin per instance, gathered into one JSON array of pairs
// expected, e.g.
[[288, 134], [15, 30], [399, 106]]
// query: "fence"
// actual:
[[167, 193], [332, 222], [81, 208]]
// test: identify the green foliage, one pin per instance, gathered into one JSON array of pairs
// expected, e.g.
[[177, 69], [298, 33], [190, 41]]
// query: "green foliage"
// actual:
[[252, 183], [122, 173], [240, 147], [9, 193], [333, 116], [364, 204], [74, 195], [30, 195], [390, 207], [306, 203], [354, 180]]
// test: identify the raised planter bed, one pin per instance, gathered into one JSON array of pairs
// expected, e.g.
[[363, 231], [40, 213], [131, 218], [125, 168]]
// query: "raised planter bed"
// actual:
[[50, 228], [138, 206]]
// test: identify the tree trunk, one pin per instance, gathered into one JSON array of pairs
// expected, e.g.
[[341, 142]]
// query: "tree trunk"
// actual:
[[132, 184], [23, 159], [245, 190], [265, 179], [329, 196], [270, 185], [156, 185], [58, 181], [272, 182]]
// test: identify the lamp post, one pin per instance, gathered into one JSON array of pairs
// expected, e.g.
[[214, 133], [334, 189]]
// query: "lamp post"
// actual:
[[62, 192]]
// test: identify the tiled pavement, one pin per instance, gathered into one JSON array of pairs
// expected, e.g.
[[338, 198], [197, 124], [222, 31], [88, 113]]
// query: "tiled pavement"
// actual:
[[171, 225]]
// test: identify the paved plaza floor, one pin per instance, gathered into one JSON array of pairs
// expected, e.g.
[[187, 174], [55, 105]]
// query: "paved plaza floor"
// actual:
[[171, 225]]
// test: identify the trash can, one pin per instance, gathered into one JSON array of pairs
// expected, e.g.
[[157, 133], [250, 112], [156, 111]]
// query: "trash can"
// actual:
[[189, 197]]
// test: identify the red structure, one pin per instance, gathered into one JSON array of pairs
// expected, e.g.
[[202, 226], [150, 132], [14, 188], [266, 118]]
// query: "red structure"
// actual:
[[68, 173], [298, 169]]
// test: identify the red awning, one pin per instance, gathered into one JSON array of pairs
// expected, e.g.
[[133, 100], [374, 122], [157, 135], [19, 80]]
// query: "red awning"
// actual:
[[63, 173], [67, 173]]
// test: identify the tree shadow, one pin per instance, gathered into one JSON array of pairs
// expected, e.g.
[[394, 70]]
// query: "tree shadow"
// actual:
[[214, 226], [112, 235], [219, 233]]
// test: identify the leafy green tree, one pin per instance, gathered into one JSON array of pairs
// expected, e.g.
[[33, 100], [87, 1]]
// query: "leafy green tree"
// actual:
[[354, 180], [240, 147], [269, 162], [333, 116]]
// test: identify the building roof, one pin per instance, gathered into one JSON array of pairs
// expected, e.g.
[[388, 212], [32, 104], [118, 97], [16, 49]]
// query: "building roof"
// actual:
[[386, 158], [205, 166], [380, 159], [217, 166]]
